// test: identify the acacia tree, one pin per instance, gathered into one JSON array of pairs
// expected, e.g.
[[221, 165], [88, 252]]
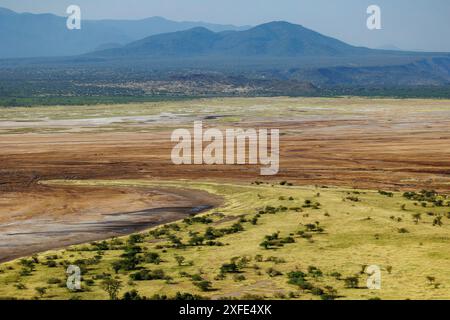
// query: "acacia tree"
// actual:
[[180, 260], [41, 291], [112, 287], [417, 217]]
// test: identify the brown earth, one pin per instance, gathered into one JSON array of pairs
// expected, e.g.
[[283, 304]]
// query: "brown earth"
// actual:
[[355, 156]]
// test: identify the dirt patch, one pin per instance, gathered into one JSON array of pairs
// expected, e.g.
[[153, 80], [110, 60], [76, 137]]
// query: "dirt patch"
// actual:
[[60, 216]]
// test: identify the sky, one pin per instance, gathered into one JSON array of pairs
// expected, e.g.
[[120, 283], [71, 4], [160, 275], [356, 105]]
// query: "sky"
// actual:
[[406, 24]]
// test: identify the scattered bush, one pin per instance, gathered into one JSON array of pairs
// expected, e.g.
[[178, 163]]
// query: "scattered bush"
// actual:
[[143, 275], [351, 282], [152, 257]]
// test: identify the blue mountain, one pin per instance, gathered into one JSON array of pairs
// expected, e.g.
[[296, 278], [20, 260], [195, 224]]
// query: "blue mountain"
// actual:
[[45, 35], [274, 39]]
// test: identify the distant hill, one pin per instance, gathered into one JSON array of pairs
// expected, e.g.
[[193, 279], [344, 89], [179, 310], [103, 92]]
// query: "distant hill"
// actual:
[[281, 50], [274, 39], [45, 35]]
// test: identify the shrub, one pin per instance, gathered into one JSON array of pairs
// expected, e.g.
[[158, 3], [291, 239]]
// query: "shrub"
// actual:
[[239, 277], [417, 217], [329, 294], [229, 268], [20, 286], [314, 272], [298, 278], [54, 281], [112, 287], [196, 240], [276, 260], [203, 220], [25, 272], [180, 260], [187, 296], [152, 257], [317, 291], [127, 264], [351, 282], [100, 246], [336, 275], [437, 221], [353, 199], [135, 238], [203, 285], [176, 241], [133, 295], [273, 272], [89, 282], [385, 193], [29, 264], [143, 275], [41, 291]]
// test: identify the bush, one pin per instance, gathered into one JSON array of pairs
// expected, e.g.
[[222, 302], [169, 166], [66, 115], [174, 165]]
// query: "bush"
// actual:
[[89, 282], [135, 238], [20, 286], [133, 295], [187, 296], [203, 220], [51, 264], [273, 272], [54, 281], [298, 278], [229, 268], [437, 221], [314, 272], [203, 285], [143, 275], [329, 294], [239, 277], [317, 291], [351, 282], [196, 240], [152, 257], [41, 291], [100, 246], [385, 193]]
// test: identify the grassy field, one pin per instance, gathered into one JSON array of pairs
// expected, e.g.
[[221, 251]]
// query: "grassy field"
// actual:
[[266, 241]]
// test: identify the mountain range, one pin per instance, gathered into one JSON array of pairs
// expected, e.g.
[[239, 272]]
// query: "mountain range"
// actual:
[[274, 39], [26, 35]]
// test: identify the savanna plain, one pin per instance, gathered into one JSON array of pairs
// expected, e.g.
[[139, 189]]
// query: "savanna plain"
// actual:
[[362, 182]]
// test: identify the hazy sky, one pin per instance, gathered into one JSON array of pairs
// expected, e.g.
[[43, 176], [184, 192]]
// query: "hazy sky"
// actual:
[[407, 24]]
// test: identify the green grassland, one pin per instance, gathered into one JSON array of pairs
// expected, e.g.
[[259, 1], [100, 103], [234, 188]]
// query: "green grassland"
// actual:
[[266, 241]]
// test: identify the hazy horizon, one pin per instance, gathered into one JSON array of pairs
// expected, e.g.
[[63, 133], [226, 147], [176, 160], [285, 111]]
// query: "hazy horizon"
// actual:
[[407, 25]]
